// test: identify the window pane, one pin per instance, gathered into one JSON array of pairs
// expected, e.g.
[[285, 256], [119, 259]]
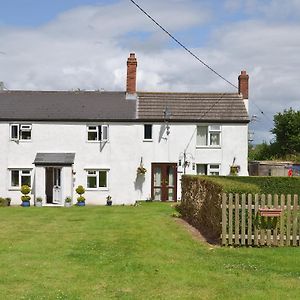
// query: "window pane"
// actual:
[[201, 169], [92, 182], [25, 180], [102, 179], [25, 135], [92, 136], [157, 176], [148, 132], [171, 176], [215, 127], [201, 135], [157, 194], [170, 194], [14, 178], [14, 131], [104, 133], [215, 139]]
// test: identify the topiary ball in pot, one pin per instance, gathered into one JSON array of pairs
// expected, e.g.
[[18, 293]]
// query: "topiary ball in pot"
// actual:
[[25, 190]]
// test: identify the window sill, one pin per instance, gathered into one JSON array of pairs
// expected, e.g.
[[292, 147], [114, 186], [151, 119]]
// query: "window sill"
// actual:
[[147, 140], [208, 147], [14, 188], [21, 141], [95, 142], [97, 190]]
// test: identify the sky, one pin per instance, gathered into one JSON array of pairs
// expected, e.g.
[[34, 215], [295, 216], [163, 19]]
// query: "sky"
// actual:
[[71, 44]]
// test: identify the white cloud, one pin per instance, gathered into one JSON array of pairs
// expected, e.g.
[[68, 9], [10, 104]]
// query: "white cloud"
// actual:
[[87, 48]]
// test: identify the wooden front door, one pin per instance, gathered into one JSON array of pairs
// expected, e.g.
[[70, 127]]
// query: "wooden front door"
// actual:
[[164, 181]]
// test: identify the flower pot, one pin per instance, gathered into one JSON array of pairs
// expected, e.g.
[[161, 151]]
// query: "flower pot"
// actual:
[[25, 203], [109, 203], [68, 204], [81, 203], [38, 204]]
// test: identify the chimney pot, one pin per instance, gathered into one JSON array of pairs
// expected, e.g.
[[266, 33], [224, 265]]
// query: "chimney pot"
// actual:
[[131, 74]]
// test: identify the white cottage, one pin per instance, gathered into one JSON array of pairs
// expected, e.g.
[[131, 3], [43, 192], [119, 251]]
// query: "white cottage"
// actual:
[[57, 140]]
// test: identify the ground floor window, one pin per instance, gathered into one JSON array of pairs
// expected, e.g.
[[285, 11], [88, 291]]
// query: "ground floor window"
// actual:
[[20, 177], [97, 179], [208, 169]]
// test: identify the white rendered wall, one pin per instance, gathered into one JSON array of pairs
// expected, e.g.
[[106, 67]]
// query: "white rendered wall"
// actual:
[[121, 156]]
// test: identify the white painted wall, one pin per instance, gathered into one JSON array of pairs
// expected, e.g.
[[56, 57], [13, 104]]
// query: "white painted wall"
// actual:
[[121, 155]]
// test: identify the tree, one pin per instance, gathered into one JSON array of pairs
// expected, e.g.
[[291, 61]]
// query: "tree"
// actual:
[[287, 132]]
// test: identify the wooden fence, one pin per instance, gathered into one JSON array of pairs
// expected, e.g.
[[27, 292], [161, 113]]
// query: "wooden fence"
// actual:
[[259, 220]]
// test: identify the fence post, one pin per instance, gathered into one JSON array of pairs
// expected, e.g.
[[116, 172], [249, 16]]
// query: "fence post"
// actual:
[[224, 219], [237, 223], [243, 219], [249, 234], [288, 220], [275, 232], [255, 215], [269, 221], [295, 220], [282, 218], [262, 230], [230, 219]]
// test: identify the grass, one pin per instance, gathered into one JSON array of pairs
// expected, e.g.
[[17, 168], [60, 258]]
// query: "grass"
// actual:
[[131, 253]]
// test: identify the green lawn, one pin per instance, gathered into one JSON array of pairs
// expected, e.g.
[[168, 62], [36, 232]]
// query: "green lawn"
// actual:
[[131, 253]]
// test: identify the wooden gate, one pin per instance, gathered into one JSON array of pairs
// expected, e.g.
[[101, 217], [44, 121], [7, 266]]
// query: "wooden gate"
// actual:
[[259, 220]]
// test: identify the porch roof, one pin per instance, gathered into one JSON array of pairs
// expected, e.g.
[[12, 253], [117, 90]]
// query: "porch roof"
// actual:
[[54, 159]]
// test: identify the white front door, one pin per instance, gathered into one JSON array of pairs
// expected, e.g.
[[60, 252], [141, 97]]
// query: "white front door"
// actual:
[[57, 186]]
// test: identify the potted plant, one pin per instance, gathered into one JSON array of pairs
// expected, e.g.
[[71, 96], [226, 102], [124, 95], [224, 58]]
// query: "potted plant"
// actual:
[[8, 200], [25, 190], [141, 170], [39, 202], [108, 201], [80, 200], [68, 202]]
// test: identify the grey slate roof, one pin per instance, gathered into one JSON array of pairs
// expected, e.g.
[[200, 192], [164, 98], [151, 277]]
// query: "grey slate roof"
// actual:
[[54, 159], [225, 107], [113, 106], [65, 105]]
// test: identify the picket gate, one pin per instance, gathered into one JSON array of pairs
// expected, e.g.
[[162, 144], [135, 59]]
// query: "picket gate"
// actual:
[[260, 220]]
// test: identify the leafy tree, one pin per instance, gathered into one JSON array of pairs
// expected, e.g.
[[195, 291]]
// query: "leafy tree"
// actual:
[[287, 132]]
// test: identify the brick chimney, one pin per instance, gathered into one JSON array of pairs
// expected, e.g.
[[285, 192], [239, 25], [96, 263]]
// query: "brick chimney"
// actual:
[[131, 74], [243, 84]]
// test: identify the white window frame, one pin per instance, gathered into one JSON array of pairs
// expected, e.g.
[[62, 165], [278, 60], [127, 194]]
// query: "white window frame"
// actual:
[[20, 170], [144, 138], [101, 130], [210, 129], [20, 128], [97, 176], [210, 168]]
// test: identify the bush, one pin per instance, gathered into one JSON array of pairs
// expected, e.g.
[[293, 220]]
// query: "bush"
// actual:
[[25, 198], [25, 189], [80, 190], [68, 200], [80, 199], [39, 199], [4, 202]]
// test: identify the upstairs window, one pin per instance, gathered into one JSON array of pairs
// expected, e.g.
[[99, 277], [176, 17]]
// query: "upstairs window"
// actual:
[[209, 135], [97, 132], [20, 132], [148, 132], [19, 178]]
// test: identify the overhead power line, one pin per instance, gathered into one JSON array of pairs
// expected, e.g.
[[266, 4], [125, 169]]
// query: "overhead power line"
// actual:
[[183, 46], [194, 55]]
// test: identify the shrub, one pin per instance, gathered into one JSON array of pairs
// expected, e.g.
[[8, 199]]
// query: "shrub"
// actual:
[[3, 202], [25, 190], [80, 190], [80, 199], [68, 200], [25, 198], [39, 199]]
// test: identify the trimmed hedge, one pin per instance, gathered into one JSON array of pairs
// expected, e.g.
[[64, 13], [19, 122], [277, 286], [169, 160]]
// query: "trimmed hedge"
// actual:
[[201, 197], [268, 185]]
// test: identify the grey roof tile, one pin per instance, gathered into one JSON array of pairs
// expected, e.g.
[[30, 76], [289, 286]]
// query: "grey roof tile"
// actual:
[[54, 159]]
